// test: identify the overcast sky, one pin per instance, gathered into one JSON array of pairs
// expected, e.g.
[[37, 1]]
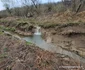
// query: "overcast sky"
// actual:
[[43, 1]]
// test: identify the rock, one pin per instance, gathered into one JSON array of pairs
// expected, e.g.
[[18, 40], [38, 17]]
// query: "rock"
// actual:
[[66, 59], [48, 38]]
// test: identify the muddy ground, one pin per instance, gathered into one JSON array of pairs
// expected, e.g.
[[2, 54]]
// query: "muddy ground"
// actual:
[[20, 55], [68, 36], [66, 31]]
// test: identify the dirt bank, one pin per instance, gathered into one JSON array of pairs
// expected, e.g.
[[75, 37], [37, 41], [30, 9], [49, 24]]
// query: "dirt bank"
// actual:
[[68, 36], [20, 26], [20, 55]]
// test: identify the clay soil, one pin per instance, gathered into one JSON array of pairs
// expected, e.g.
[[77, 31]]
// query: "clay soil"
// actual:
[[18, 55]]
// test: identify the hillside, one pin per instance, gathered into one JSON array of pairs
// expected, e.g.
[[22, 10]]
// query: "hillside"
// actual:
[[19, 55], [48, 36]]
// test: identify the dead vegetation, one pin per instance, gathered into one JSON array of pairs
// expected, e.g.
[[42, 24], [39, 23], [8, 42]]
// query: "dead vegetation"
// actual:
[[20, 26], [17, 55], [69, 36], [66, 26]]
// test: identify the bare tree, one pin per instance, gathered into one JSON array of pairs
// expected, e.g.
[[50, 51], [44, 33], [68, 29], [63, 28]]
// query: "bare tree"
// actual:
[[26, 4], [49, 6], [7, 5], [36, 6], [80, 3], [77, 4]]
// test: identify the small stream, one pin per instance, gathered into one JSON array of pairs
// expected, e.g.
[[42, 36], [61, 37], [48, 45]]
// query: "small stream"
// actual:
[[40, 42], [37, 39]]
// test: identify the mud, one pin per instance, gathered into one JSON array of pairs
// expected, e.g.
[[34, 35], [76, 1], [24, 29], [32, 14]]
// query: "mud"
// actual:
[[69, 37], [18, 55]]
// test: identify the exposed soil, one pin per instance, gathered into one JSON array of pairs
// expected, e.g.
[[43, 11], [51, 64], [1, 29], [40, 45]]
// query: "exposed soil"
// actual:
[[17, 55], [21, 27], [69, 37], [67, 31]]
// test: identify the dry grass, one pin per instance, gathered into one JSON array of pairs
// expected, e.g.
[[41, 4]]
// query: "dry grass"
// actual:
[[29, 56]]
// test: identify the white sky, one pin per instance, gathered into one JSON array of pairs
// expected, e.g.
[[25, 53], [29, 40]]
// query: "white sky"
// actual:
[[1, 6], [43, 1]]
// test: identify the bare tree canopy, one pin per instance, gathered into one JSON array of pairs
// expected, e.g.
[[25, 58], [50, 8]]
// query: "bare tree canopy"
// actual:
[[29, 8]]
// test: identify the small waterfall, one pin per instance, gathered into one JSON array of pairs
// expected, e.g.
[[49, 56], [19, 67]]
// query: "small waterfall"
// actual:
[[37, 31]]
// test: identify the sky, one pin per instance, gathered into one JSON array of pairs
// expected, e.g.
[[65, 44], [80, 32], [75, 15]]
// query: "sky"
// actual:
[[1, 6], [43, 1]]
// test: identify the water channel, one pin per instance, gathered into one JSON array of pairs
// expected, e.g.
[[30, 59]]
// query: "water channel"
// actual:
[[40, 42]]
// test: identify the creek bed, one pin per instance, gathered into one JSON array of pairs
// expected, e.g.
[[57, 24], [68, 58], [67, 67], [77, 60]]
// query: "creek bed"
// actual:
[[41, 43]]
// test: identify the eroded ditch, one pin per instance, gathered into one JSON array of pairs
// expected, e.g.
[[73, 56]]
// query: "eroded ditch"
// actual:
[[41, 43]]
